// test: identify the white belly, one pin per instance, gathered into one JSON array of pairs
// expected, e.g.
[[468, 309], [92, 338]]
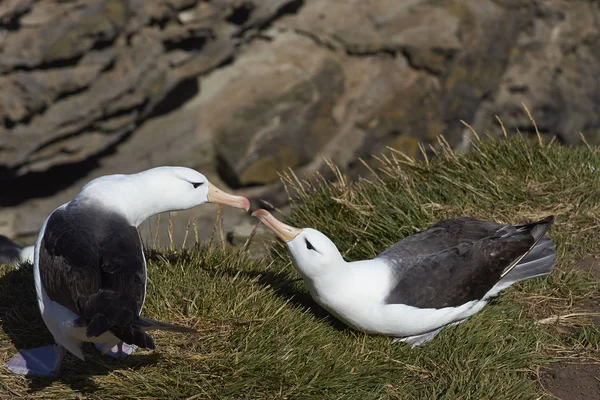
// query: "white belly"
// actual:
[[357, 297], [396, 320]]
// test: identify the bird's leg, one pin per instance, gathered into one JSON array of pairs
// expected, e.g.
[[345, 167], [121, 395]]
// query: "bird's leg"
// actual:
[[120, 351], [40, 361], [127, 349]]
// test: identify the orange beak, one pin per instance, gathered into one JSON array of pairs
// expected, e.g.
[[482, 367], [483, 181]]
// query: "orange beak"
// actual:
[[217, 196], [283, 231]]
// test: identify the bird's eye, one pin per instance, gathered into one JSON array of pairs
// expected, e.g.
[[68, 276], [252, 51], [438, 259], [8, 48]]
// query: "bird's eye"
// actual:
[[308, 245], [197, 184]]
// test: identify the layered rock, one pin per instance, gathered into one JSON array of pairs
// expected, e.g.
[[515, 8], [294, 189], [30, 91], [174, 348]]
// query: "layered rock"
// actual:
[[245, 89], [76, 77], [553, 68], [363, 76]]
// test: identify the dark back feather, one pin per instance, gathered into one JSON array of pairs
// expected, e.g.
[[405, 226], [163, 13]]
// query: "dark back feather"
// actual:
[[91, 262], [456, 261]]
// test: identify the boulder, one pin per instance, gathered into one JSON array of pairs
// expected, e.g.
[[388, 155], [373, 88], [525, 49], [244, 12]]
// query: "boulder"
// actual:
[[288, 102], [459, 63], [554, 69], [282, 118], [345, 80]]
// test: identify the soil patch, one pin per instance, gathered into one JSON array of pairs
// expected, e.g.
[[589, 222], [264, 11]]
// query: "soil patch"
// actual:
[[573, 381], [590, 265]]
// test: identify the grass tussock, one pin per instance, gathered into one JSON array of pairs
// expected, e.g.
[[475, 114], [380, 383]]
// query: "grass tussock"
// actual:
[[261, 336]]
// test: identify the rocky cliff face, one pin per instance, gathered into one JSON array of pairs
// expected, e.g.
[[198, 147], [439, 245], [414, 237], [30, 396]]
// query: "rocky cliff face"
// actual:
[[242, 89]]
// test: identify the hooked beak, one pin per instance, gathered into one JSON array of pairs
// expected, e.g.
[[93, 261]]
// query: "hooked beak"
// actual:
[[217, 196], [283, 231]]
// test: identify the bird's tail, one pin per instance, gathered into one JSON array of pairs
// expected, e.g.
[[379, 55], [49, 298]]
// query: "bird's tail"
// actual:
[[147, 324], [537, 230], [136, 332], [538, 261]]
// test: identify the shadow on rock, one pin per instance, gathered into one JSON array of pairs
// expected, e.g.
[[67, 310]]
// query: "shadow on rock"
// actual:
[[22, 323]]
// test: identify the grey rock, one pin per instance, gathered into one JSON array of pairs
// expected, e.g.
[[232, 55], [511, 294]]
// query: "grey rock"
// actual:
[[554, 69], [10, 10], [78, 77]]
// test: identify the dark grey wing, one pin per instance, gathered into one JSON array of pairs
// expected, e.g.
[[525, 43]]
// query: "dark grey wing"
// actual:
[[123, 274], [9, 251], [442, 235], [68, 262], [91, 262], [464, 272]]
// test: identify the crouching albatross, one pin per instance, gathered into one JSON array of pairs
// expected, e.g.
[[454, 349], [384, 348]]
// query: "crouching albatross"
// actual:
[[89, 267], [429, 280]]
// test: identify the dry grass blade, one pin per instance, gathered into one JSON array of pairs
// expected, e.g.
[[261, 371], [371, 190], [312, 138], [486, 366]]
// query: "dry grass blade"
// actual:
[[581, 135], [471, 130], [339, 177], [424, 153], [170, 232], [502, 127], [252, 234], [374, 174], [537, 132], [195, 232], [187, 231], [214, 229], [560, 318], [222, 229], [156, 239], [405, 158]]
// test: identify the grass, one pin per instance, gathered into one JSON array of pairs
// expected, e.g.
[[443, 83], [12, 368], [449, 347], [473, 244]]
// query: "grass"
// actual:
[[261, 336]]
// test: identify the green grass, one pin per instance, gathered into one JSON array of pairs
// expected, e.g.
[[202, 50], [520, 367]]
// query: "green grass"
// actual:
[[261, 336]]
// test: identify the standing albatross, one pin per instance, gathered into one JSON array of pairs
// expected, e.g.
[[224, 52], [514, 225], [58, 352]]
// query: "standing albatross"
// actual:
[[427, 281], [89, 267]]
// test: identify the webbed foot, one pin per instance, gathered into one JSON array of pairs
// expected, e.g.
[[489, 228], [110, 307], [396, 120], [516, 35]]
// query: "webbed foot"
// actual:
[[40, 361]]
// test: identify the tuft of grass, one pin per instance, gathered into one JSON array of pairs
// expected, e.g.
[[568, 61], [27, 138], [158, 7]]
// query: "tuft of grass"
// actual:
[[260, 335]]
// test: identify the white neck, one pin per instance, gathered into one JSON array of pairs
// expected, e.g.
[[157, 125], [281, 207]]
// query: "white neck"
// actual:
[[137, 197], [312, 273]]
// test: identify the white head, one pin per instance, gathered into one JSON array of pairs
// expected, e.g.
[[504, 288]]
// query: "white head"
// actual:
[[312, 252], [139, 196]]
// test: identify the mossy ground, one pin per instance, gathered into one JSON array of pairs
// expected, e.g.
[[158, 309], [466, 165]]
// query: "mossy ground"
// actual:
[[261, 336]]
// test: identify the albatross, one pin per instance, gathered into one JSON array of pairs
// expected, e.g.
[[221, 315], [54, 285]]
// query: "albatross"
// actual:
[[89, 266], [428, 281]]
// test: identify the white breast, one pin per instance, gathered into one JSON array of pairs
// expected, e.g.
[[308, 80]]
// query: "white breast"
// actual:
[[356, 295]]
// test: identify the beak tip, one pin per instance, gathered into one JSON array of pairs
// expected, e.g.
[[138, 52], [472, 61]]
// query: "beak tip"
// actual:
[[217, 196], [258, 213]]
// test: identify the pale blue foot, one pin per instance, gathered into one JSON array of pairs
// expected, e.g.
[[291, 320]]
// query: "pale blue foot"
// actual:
[[119, 351], [41, 361]]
